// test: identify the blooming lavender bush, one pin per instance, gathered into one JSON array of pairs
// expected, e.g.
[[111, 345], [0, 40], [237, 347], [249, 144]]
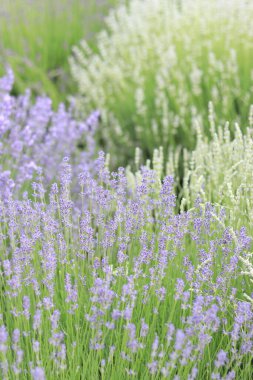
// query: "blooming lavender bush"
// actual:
[[158, 65], [120, 286], [218, 171], [34, 138]]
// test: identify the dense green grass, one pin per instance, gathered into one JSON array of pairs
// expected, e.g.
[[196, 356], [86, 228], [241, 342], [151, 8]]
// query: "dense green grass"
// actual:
[[37, 37]]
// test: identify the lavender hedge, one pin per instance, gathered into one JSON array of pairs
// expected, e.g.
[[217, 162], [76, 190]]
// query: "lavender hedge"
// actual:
[[34, 138]]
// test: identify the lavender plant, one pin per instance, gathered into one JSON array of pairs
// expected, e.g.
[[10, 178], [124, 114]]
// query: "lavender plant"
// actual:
[[118, 285], [221, 171], [34, 138], [218, 170], [157, 66]]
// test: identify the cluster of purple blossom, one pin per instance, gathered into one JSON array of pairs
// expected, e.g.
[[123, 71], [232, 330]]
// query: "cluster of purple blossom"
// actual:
[[110, 282], [34, 138]]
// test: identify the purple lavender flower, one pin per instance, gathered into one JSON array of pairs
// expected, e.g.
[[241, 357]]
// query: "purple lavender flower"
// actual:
[[180, 339], [26, 307], [37, 319], [153, 367], [3, 338], [221, 359], [179, 288], [16, 336], [38, 373], [34, 137], [144, 328]]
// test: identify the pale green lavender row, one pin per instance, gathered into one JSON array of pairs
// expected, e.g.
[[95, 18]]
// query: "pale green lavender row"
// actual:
[[219, 170], [157, 66]]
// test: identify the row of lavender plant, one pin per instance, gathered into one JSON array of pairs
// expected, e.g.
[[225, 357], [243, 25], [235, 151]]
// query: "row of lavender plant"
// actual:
[[120, 285], [102, 282], [34, 138]]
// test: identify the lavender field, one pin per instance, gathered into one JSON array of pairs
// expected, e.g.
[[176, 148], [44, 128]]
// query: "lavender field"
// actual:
[[126, 193]]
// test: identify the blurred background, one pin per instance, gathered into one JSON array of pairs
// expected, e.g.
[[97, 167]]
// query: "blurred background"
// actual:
[[37, 38]]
